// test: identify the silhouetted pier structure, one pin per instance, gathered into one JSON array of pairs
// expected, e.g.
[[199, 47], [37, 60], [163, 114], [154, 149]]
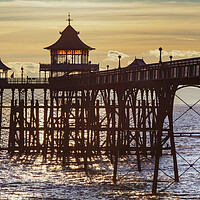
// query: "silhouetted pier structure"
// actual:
[[113, 113]]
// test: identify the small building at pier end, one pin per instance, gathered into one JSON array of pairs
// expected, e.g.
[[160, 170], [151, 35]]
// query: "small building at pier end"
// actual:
[[68, 55], [3, 70]]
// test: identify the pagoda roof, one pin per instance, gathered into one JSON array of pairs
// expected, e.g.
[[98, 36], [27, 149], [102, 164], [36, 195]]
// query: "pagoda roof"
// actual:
[[69, 40], [137, 62], [2, 66]]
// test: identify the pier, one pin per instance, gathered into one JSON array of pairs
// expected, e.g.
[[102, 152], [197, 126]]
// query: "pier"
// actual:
[[83, 115], [114, 113]]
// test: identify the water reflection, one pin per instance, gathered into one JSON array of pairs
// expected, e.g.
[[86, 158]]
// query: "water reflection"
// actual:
[[27, 177], [32, 177]]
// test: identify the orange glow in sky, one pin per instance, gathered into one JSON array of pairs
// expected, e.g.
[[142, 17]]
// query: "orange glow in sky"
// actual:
[[133, 28]]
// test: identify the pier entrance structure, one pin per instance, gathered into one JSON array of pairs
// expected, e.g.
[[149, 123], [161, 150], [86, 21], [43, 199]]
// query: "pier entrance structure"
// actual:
[[79, 117], [68, 54]]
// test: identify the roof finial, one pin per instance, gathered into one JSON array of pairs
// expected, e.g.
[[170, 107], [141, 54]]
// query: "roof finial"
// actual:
[[69, 19]]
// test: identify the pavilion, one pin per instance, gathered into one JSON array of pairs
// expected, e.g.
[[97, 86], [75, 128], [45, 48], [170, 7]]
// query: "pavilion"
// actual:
[[69, 54]]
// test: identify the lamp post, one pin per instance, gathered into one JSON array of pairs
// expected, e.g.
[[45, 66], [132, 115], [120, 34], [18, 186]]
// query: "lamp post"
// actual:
[[119, 61], [160, 49], [22, 73]]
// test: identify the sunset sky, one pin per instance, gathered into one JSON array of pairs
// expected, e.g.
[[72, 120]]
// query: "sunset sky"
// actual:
[[132, 28]]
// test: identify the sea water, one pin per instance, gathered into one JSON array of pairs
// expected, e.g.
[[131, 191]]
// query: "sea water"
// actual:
[[30, 177]]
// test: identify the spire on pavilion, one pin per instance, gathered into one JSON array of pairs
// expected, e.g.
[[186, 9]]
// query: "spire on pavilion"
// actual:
[[69, 39], [69, 19]]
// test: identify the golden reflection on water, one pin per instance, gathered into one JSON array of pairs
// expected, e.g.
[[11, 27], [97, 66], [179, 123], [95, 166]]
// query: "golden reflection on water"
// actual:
[[26, 177], [34, 179]]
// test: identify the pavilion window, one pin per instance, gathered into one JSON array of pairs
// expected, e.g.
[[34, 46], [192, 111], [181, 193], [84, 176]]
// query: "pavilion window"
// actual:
[[58, 56], [84, 57], [69, 59], [61, 59], [76, 59], [69, 56], [78, 52]]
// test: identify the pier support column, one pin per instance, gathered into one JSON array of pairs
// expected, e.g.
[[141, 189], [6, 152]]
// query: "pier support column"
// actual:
[[21, 125], [173, 148], [1, 109], [165, 94]]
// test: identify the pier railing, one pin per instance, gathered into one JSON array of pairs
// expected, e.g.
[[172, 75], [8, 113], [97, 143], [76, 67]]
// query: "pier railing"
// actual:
[[180, 69], [188, 68], [27, 81]]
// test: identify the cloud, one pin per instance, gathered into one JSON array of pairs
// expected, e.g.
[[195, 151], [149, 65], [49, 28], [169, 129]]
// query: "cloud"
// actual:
[[134, 27], [185, 53], [187, 39], [30, 69], [113, 55], [175, 53]]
